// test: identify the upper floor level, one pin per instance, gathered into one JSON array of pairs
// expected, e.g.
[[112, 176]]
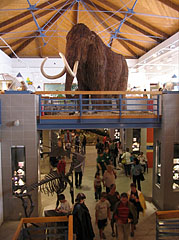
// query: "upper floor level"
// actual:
[[84, 110]]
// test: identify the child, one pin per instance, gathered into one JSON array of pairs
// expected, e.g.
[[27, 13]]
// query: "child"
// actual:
[[97, 186], [61, 165], [102, 213], [64, 208]]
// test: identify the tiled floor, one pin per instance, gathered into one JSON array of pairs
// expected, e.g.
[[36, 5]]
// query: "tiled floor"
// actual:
[[146, 226]]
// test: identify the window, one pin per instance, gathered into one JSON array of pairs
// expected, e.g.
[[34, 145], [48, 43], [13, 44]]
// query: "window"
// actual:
[[18, 167]]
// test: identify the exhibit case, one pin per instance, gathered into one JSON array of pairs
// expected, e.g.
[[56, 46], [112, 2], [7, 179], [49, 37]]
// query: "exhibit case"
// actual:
[[18, 160], [176, 167], [158, 163]]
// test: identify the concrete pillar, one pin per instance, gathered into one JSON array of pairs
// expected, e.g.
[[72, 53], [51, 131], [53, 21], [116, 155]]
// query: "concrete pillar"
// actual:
[[129, 138], [122, 138], [45, 163], [164, 194], [111, 133], [143, 140], [21, 107]]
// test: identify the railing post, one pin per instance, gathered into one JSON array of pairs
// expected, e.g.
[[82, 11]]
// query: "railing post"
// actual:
[[120, 106], [158, 105], [156, 228], [80, 98], [40, 105]]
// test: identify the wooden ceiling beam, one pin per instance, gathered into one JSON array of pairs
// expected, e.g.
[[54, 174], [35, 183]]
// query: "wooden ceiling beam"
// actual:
[[75, 13], [26, 13], [105, 25], [22, 46], [140, 21], [30, 19], [170, 4], [128, 23], [39, 49], [122, 42], [110, 30], [134, 44], [36, 34]]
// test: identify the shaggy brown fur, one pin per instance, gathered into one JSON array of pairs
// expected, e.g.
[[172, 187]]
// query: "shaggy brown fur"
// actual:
[[100, 69]]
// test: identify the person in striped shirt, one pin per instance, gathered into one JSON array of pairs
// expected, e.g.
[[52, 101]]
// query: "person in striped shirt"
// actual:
[[124, 214]]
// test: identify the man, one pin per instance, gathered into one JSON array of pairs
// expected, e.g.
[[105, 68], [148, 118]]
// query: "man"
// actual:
[[126, 160], [68, 142], [143, 161], [124, 214], [101, 164]]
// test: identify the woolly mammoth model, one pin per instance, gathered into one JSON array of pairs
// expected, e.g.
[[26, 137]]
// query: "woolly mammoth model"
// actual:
[[96, 66]]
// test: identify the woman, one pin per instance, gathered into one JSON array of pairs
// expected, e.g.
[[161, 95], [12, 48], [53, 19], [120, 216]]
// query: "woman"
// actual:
[[136, 171], [109, 177], [137, 198], [82, 225], [113, 197]]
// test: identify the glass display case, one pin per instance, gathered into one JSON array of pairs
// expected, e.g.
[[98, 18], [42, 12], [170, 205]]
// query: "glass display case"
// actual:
[[158, 162], [176, 167], [18, 161]]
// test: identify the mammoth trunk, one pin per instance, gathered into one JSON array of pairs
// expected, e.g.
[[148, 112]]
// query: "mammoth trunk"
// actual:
[[68, 83], [69, 78]]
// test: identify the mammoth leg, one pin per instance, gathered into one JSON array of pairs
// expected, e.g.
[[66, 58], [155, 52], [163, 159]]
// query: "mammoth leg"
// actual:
[[97, 103], [83, 87]]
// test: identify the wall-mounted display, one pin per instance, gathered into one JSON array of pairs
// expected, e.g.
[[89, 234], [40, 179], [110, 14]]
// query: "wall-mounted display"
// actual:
[[158, 163], [18, 167], [176, 167]]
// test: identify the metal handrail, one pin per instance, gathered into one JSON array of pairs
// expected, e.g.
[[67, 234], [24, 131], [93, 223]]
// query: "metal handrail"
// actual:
[[167, 225], [42, 226], [120, 103]]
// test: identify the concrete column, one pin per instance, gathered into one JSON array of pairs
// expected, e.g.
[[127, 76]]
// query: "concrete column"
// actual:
[[129, 138], [143, 140], [122, 138], [45, 163], [164, 196], [111, 133]]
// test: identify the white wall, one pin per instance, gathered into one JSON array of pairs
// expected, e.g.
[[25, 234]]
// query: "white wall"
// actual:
[[30, 67], [5, 63]]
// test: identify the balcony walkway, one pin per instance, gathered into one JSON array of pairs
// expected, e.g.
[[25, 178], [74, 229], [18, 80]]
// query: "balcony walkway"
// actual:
[[86, 110]]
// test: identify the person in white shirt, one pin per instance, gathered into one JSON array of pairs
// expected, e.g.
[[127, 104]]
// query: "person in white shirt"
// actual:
[[109, 177], [143, 161], [64, 208], [126, 161]]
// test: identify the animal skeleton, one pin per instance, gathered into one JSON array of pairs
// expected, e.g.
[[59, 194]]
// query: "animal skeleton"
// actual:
[[52, 183]]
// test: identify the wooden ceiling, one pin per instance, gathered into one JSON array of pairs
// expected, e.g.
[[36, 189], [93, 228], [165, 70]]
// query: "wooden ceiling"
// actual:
[[38, 28]]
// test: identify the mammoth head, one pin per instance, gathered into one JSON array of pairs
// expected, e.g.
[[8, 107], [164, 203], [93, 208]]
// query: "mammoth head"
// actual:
[[79, 40]]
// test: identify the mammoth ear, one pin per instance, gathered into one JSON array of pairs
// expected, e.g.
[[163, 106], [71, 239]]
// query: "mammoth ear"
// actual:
[[92, 37]]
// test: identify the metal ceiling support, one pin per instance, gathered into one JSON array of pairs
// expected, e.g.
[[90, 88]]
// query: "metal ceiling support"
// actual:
[[55, 14], [55, 17], [26, 13], [85, 7], [9, 47], [36, 34], [109, 30], [117, 31], [40, 30]]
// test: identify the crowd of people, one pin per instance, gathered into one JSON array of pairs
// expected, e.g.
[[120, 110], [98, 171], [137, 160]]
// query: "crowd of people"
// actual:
[[122, 210]]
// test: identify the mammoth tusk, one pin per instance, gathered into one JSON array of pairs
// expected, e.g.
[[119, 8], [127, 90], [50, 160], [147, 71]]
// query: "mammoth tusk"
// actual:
[[48, 76], [75, 68]]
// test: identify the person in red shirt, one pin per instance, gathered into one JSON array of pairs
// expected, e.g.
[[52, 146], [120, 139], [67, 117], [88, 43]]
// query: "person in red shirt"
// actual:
[[124, 214], [61, 166]]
